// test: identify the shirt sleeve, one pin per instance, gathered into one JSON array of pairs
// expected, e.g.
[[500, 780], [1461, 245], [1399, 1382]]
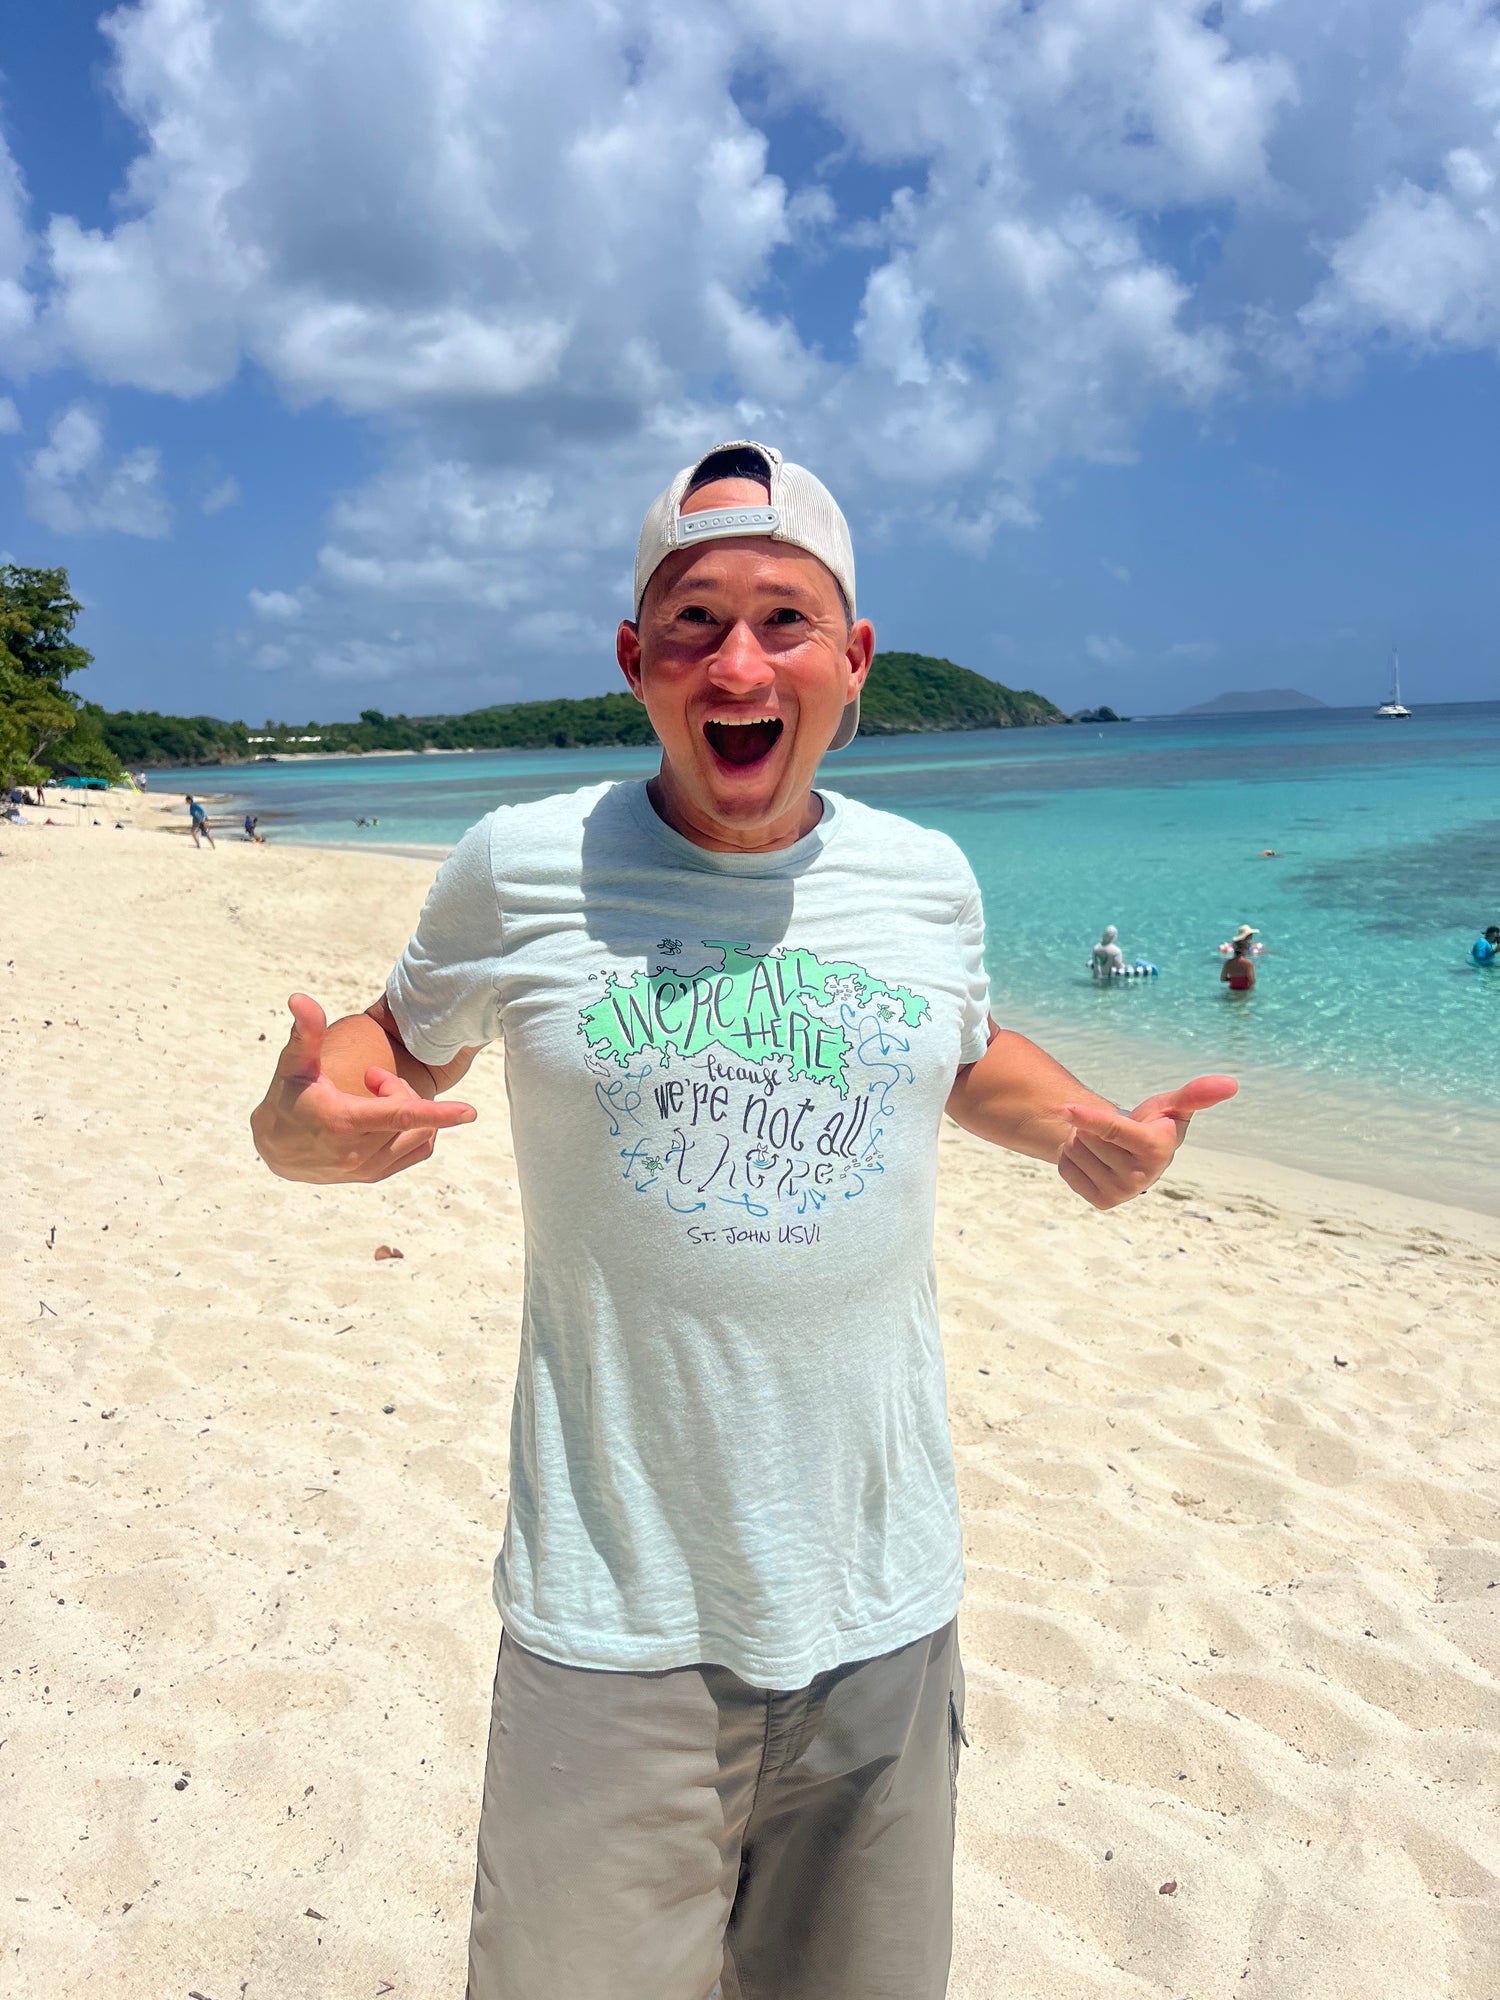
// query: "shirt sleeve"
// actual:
[[444, 990], [976, 1022]]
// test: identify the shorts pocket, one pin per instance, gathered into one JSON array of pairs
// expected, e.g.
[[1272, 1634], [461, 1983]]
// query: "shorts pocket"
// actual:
[[957, 1739]]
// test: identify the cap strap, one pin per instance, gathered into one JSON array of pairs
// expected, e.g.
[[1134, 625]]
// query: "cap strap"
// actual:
[[719, 522]]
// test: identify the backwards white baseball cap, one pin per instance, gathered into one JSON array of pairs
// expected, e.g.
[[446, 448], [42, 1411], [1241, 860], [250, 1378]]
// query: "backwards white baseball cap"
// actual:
[[800, 510]]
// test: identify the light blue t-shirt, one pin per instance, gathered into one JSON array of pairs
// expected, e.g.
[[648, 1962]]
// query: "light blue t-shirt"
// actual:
[[726, 1077]]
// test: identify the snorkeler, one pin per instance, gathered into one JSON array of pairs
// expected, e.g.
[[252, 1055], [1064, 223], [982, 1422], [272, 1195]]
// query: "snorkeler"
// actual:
[[1486, 950]]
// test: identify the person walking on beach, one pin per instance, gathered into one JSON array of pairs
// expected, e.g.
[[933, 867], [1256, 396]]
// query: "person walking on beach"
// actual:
[[198, 821], [728, 1708], [1238, 970], [252, 829]]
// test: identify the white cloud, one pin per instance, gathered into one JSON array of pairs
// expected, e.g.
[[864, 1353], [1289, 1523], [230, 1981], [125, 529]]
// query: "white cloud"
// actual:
[[223, 493], [542, 248], [17, 306], [578, 218], [274, 605], [10, 417], [1118, 571], [1107, 650], [465, 552], [1422, 261], [73, 486]]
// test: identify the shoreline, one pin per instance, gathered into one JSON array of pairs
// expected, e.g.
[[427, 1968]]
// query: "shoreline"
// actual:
[[1310, 1192], [1121, 1056], [1132, 1061]]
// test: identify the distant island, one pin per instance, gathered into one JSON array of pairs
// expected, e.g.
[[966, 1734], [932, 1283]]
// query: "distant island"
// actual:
[[906, 692], [1258, 701]]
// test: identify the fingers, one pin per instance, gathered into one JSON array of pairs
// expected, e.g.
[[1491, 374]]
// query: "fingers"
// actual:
[[1082, 1182], [1200, 1095], [408, 1149], [365, 1117], [1106, 1175], [302, 1056], [391, 1089], [1099, 1123], [1110, 1159], [385, 1083]]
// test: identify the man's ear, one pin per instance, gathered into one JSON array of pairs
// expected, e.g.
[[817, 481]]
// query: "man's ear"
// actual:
[[859, 652], [628, 653]]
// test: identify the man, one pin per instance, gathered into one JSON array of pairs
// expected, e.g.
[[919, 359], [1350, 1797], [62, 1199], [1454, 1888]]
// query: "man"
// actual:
[[198, 821], [728, 1708]]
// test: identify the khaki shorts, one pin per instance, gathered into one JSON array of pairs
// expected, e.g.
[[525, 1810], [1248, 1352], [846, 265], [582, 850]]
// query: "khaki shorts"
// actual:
[[676, 1836]]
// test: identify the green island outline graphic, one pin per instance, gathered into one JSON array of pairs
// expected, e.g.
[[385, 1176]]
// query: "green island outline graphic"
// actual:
[[757, 1007]]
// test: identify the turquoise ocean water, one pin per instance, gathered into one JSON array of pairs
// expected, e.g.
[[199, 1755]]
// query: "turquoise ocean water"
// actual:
[[1370, 1048]]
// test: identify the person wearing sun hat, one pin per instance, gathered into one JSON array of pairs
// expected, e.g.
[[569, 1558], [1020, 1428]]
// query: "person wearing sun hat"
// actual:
[[1238, 970], [736, 1005]]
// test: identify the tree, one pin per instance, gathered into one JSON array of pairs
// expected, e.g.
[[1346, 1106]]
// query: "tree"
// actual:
[[84, 752], [37, 614], [32, 718], [43, 726]]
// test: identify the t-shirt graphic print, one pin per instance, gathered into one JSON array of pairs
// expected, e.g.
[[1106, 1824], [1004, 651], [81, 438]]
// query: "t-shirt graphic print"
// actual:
[[758, 1082], [726, 1076]]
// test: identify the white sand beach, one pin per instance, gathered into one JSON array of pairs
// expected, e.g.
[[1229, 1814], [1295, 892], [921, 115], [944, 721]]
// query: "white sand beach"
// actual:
[[1230, 1460]]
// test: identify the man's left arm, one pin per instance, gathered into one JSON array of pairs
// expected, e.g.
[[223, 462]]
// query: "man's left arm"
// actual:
[[1018, 1097]]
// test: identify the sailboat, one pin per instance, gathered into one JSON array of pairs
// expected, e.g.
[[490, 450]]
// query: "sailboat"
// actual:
[[1393, 708]]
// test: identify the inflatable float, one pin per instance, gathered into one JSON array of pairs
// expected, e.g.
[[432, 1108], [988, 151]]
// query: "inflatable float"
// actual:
[[1107, 961]]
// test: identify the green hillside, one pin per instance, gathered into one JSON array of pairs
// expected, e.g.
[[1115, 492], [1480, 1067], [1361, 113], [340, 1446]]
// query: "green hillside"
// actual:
[[913, 691], [905, 691], [141, 738]]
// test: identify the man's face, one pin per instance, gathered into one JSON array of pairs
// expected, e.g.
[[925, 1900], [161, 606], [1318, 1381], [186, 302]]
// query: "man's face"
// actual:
[[745, 662]]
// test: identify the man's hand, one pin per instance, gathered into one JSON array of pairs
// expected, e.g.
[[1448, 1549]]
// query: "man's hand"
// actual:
[[311, 1125], [1112, 1157]]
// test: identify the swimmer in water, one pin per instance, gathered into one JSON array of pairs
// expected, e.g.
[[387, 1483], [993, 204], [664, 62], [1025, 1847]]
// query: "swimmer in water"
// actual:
[[1107, 959], [1238, 970], [1486, 950]]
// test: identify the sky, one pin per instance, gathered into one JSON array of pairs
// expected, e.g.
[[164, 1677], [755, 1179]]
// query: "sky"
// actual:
[[1150, 347]]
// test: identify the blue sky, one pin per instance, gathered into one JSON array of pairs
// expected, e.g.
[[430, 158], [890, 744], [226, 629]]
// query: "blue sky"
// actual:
[[1150, 346]]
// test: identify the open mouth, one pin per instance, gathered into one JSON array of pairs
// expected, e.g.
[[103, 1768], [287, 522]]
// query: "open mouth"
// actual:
[[742, 743]]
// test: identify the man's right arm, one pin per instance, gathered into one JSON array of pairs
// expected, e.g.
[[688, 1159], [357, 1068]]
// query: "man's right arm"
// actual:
[[350, 1102]]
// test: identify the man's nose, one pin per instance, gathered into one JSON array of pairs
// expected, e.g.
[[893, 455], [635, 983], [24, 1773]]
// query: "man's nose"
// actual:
[[740, 666]]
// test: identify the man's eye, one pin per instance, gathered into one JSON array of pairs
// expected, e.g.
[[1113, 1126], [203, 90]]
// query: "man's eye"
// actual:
[[695, 614], [786, 616]]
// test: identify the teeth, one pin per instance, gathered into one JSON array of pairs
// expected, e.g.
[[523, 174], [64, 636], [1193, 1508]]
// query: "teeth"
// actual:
[[741, 721]]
